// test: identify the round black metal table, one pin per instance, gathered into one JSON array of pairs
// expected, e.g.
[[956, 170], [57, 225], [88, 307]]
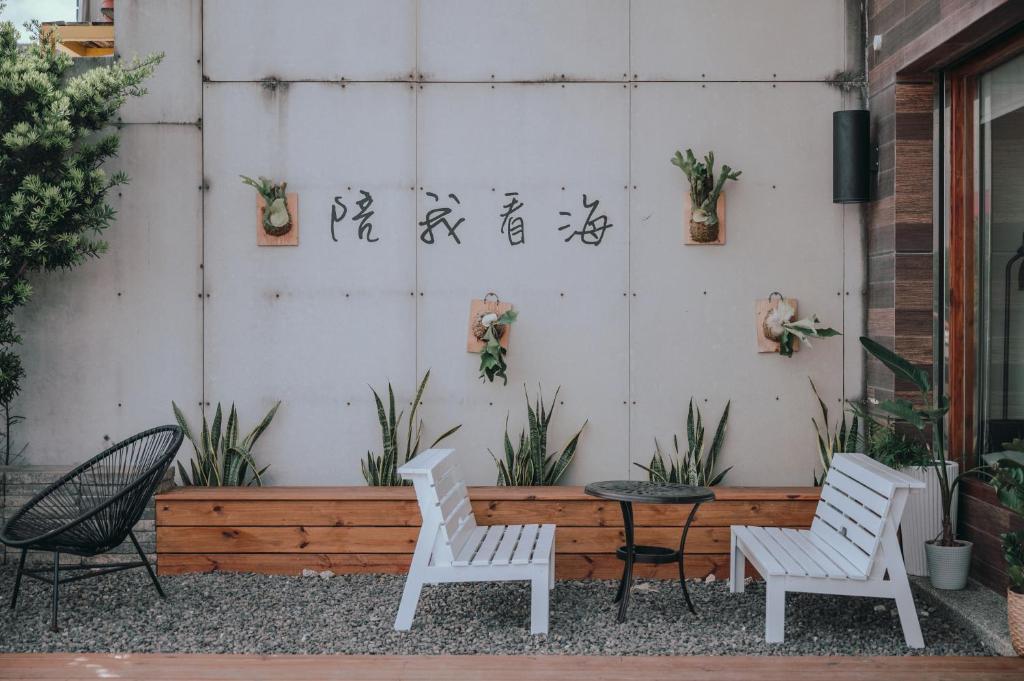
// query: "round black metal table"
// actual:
[[628, 492]]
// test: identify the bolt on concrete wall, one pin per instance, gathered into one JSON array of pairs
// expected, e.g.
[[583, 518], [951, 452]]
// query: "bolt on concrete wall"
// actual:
[[555, 101]]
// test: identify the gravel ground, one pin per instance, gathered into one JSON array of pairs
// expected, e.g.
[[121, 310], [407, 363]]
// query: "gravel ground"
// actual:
[[215, 613]]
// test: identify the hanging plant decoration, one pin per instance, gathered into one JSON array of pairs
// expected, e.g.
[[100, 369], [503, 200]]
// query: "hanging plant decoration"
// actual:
[[777, 330], [489, 321], [706, 210], [276, 210]]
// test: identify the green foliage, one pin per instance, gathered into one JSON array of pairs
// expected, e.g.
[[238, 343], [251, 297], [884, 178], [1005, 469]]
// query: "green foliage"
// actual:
[[492, 356], [1013, 552], [926, 416], [894, 449], [221, 459], [1007, 477], [382, 470], [832, 441], [277, 221], [54, 139], [529, 463], [1014, 445], [692, 467], [704, 189]]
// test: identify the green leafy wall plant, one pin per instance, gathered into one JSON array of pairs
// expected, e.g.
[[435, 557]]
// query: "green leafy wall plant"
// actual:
[[277, 220], [55, 137], [694, 466], [381, 470], [221, 458], [704, 191], [779, 326], [492, 355], [529, 463]]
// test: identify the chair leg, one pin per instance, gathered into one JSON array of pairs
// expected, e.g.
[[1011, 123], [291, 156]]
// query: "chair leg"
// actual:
[[737, 568], [17, 579], [539, 603], [149, 568], [775, 612], [56, 589], [410, 599]]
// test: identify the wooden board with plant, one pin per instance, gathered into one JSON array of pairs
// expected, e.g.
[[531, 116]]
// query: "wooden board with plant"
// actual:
[[705, 190]]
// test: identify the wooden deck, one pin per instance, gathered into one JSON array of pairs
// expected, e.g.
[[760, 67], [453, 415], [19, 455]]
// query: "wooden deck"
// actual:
[[282, 530], [74, 667]]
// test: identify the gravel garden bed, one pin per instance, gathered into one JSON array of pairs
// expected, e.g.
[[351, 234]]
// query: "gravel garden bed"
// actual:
[[233, 613]]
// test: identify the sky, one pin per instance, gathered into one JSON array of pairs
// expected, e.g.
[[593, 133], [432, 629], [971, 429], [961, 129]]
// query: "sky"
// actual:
[[20, 11]]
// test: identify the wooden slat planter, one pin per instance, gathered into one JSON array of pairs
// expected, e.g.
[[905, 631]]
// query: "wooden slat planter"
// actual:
[[282, 530]]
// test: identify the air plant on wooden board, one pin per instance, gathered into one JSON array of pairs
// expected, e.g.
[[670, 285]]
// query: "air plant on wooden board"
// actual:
[[779, 326], [277, 220], [489, 328], [704, 192]]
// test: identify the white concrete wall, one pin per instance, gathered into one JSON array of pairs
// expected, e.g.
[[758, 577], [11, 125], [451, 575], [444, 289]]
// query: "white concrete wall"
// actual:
[[398, 97]]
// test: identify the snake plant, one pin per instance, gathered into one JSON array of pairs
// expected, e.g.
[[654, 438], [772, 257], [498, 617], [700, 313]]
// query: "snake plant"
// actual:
[[221, 459], [529, 463], [692, 467], [382, 470]]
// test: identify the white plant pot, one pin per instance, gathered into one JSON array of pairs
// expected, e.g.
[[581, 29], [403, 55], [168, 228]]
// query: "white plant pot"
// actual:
[[922, 517]]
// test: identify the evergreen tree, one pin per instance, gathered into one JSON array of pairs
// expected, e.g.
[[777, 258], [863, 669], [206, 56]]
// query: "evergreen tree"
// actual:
[[55, 135]]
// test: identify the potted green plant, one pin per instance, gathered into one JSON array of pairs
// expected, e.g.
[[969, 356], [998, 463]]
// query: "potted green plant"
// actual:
[[530, 463], [948, 559], [222, 459], [277, 219], [705, 190], [1007, 477], [694, 466]]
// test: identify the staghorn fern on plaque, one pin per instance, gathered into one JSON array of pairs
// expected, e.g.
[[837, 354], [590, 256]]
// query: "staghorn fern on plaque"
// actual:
[[277, 220], [694, 466], [529, 463], [382, 470]]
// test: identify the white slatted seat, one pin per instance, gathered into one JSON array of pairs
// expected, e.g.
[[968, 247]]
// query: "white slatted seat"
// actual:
[[850, 550], [453, 548]]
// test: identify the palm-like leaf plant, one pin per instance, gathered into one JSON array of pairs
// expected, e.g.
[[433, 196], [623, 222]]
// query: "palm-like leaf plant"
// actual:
[[926, 415], [382, 470], [692, 467], [843, 438], [529, 463], [221, 458]]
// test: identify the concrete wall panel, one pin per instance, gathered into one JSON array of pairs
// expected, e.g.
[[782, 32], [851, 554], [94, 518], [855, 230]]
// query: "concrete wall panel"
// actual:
[[175, 29], [468, 40], [313, 325], [737, 39], [111, 343], [309, 40], [551, 144], [692, 326]]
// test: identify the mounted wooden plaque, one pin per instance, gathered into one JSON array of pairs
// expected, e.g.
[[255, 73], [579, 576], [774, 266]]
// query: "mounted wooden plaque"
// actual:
[[688, 208], [762, 307], [478, 308], [291, 237]]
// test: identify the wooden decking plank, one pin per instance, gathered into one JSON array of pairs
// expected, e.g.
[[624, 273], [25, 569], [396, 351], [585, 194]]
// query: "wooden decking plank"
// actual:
[[157, 667]]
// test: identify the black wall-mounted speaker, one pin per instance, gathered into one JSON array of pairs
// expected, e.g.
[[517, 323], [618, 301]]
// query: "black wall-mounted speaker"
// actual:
[[851, 156]]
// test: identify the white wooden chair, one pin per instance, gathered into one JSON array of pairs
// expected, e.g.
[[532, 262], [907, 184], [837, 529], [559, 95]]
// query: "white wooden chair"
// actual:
[[453, 548], [849, 550]]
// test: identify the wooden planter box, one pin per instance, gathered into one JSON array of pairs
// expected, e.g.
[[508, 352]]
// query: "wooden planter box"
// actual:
[[282, 530]]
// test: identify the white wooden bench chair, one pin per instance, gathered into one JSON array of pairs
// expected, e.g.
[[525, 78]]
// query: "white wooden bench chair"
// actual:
[[453, 548], [850, 549]]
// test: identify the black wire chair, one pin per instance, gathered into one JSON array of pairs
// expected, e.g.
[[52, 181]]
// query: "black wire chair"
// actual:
[[92, 509]]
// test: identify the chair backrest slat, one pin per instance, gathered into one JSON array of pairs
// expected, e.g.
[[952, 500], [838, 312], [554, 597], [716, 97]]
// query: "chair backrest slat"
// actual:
[[856, 503], [443, 500]]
